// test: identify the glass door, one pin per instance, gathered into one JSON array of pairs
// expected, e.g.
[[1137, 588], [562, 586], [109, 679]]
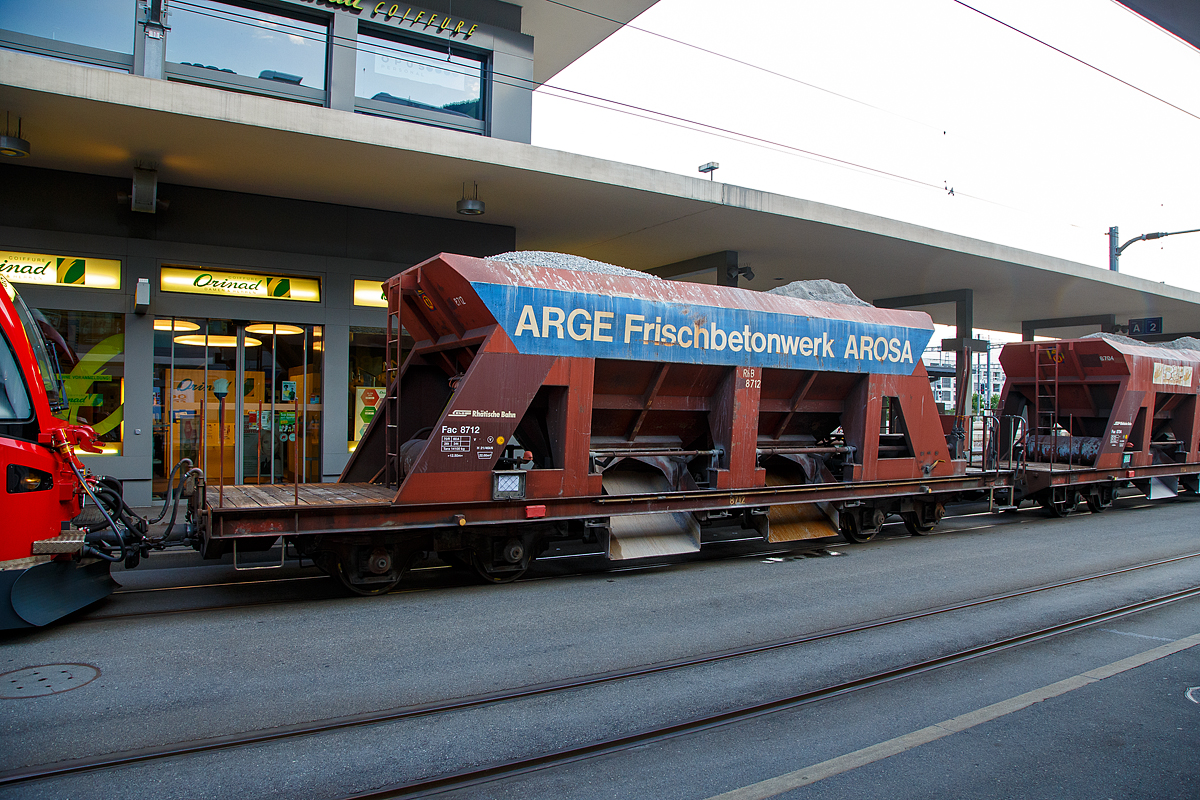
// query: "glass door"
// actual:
[[280, 409], [242, 400]]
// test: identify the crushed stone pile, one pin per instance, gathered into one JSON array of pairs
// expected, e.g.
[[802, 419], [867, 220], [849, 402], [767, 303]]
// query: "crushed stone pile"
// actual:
[[823, 290], [542, 258], [1182, 343]]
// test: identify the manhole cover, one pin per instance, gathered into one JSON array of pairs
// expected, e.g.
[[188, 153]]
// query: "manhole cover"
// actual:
[[46, 679]]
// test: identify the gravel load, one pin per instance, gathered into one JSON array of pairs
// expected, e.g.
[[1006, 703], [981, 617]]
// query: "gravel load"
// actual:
[[823, 290], [1182, 343], [542, 258]]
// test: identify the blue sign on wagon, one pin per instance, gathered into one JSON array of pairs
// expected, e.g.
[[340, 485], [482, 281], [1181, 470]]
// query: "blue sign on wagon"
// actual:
[[565, 323]]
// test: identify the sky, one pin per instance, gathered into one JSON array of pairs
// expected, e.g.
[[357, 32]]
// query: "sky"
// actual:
[[883, 107]]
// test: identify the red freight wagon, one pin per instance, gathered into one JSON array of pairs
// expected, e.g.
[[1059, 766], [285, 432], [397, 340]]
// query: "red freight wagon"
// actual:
[[539, 404], [1102, 411]]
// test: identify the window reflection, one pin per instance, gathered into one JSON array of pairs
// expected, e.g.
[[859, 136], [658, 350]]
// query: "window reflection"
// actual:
[[106, 24], [244, 41], [406, 75], [90, 347]]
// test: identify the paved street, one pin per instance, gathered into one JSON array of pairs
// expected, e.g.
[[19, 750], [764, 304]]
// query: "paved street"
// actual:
[[294, 650]]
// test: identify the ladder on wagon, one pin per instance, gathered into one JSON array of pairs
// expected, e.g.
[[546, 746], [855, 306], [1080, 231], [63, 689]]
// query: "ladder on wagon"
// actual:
[[391, 399], [1044, 422]]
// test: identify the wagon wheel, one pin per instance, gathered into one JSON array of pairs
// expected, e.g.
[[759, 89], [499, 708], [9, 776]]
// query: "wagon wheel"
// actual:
[[852, 529], [1099, 500], [1059, 509], [913, 524], [515, 563], [372, 584]]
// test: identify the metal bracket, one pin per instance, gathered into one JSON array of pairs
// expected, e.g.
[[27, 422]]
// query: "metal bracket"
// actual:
[[282, 559]]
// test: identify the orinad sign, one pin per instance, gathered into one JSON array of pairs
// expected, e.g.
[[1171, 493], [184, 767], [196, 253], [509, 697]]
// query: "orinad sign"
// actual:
[[192, 280], [48, 270]]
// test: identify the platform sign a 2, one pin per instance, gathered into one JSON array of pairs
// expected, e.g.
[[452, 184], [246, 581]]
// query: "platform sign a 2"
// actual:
[[1145, 326]]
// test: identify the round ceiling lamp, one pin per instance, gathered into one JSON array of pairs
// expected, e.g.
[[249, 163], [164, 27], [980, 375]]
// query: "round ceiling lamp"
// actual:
[[470, 206], [13, 146], [175, 325], [274, 327], [214, 340]]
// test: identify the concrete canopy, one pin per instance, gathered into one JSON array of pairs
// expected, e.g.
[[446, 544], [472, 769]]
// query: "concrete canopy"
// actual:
[[87, 120], [561, 34]]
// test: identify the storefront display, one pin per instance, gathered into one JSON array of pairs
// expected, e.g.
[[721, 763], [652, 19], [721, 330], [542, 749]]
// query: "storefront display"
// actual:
[[366, 383], [268, 432]]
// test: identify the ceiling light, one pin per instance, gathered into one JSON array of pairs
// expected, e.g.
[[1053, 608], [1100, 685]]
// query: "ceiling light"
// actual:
[[274, 327], [175, 325], [13, 146], [470, 206], [214, 340]]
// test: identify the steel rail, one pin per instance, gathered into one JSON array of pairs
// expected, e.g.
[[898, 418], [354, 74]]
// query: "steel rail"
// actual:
[[516, 767], [101, 617], [229, 606], [125, 758]]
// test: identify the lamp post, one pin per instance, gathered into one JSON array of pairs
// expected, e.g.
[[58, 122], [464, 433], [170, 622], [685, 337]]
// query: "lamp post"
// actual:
[[1114, 252]]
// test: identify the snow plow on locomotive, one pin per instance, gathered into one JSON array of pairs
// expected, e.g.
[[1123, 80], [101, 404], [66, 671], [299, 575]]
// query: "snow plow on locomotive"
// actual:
[[55, 555]]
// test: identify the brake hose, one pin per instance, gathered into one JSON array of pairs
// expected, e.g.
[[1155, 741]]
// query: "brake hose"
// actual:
[[107, 518]]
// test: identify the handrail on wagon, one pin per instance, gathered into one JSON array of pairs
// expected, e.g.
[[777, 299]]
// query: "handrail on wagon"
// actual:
[[988, 452], [648, 453]]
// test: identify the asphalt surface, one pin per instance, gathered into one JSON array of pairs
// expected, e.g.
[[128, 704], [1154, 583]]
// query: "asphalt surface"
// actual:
[[292, 650]]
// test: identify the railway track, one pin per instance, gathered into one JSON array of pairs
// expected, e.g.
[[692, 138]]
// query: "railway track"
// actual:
[[521, 766], [139, 756], [803, 548]]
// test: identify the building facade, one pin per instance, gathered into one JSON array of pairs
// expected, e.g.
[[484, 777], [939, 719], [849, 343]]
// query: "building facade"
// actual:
[[244, 331]]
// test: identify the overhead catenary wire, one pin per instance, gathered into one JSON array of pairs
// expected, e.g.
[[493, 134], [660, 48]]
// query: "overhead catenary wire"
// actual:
[[742, 62], [583, 98], [1077, 59]]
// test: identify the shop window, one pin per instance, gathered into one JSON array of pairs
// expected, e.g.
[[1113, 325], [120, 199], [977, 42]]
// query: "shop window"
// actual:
[[367, 382], [90, 347], [435, 85], [101, 24], [247, 48], [242, 401]]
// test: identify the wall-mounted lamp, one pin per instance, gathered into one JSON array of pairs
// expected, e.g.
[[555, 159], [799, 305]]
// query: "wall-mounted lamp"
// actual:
[[470, 206], [13, 146], [141, 296], [734, 271]]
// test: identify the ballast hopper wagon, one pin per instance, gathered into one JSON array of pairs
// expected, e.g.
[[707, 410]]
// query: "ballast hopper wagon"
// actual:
[[542, 404]]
